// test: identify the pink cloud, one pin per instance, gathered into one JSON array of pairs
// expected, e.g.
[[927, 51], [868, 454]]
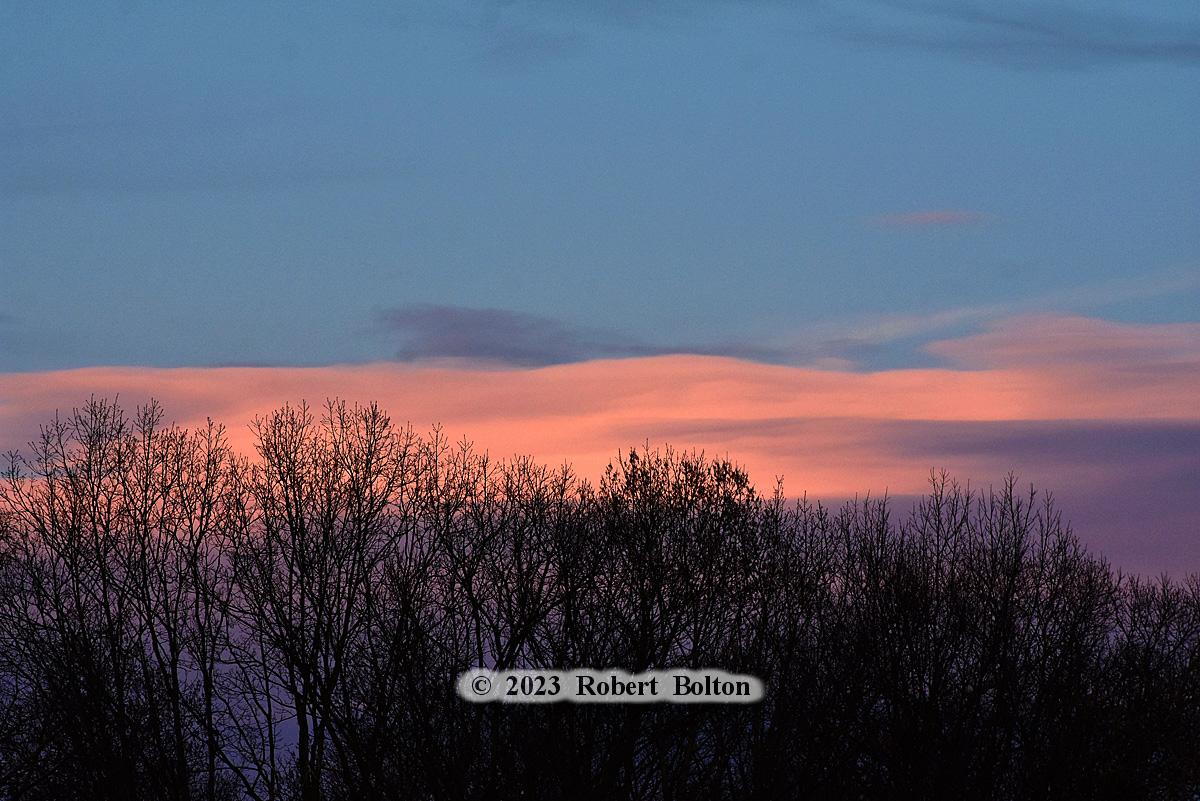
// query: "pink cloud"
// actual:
[[1086, 407], [1052, 339]]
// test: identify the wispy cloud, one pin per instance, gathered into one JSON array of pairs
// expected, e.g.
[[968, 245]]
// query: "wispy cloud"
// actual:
[[869, 336], [169, 146], [520, 47], [1022, 33], [1026, 34], [430, 332], [1071, 342], [1100, 411], [930, 218]]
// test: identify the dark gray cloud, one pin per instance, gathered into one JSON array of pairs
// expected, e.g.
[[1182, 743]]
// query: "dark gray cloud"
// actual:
[[1019, 445], [1022, 34], [428, 331], [1127, 487], [1051, 441]]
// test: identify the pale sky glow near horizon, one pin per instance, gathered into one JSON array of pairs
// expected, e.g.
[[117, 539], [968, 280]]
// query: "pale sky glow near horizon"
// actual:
[[920, 234]]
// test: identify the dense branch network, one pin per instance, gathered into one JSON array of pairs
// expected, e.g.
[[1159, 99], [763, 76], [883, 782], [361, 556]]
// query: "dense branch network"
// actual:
[[179, 621]]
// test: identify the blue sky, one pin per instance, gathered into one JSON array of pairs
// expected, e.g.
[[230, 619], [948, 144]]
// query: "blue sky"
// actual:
[[299, 184]]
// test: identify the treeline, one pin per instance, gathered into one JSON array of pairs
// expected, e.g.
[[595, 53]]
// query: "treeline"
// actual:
[[178, 621]]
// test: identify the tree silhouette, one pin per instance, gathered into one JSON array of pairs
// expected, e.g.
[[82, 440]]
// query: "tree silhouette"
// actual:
[[180, 621]]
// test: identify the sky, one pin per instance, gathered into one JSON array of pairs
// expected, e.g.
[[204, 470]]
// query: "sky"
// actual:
[[845, 243]]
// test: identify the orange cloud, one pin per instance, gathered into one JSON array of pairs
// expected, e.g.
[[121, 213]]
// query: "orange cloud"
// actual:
[[1072, 403]]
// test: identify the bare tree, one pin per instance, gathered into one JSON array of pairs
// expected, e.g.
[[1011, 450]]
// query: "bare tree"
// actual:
[[179, 621]]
